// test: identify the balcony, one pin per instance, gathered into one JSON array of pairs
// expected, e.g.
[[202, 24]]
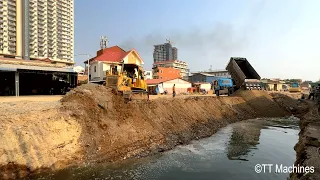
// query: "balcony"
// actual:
[[33, 17], [12, 29], [34, 32], [12, 13], [11, 3], [12, 45], [50, 13], [33, 45], [12, 34], [42, 17], [42, 35], [64, 33], [63, 52], [52, 34], [33, 2], [41, 5], [41, 28], [11, 19], [12, 49], [12, 39], [41, 40], [52, 22], [51, 3]]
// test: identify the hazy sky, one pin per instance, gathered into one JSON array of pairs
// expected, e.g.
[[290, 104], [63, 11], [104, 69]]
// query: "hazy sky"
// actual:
[[280, 38]]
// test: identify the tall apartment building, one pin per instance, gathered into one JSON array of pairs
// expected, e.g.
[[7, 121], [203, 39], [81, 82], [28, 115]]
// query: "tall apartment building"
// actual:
[[165, 52], [37, 29]]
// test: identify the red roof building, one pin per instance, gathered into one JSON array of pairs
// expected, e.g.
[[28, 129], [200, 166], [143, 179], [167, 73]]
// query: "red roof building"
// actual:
[[113, 54], [111, 57]]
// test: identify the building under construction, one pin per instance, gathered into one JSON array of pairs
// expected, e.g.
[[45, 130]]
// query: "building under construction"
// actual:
[[165, 52], [32, 77]]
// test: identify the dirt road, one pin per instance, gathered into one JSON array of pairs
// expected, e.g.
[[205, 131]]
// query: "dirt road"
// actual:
[[30, 98]]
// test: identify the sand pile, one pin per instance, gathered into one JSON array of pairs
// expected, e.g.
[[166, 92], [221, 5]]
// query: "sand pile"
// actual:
[[112, 129]]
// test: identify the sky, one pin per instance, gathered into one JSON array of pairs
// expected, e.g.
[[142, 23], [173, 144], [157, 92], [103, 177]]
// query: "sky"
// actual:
[[280, 38]]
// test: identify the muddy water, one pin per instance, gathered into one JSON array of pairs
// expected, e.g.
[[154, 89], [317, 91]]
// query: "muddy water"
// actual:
[[231, 153]]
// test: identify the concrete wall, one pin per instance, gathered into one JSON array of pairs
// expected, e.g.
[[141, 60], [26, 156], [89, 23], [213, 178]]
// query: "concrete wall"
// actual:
[[181, 86], [206, 86], [271, 87], [101, 68], [94, 70]]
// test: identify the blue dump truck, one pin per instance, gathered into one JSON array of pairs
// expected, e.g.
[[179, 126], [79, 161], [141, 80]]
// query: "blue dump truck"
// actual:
[[223, 86]]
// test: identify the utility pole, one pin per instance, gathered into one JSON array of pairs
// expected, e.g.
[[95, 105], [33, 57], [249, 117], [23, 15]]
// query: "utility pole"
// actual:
[[88, 55]]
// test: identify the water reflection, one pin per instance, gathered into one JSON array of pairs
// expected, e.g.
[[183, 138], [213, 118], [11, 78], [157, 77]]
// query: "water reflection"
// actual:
[[244, 138], [245, 135], [231, 153]]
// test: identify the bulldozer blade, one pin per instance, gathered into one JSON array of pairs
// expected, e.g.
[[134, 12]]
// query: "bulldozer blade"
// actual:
[[135, 95], [139, 96]]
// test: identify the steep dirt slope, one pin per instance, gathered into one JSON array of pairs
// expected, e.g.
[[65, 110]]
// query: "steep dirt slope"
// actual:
[[91, 125]]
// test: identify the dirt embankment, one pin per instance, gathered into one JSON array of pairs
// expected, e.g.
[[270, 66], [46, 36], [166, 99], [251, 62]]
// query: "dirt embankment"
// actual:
[[92, 125], [308, 146]]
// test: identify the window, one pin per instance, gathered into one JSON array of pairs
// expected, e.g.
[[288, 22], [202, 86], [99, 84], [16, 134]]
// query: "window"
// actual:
[[225, 81], [95, 68], [160, 71]]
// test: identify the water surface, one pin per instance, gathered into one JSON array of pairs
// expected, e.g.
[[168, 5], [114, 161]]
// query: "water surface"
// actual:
[[231, 153]]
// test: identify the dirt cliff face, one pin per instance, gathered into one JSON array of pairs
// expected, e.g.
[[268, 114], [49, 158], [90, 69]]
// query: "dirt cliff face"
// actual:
[[308, 147], [91, 125]]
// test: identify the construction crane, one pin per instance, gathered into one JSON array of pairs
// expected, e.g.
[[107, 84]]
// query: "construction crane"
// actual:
[[169, 41]]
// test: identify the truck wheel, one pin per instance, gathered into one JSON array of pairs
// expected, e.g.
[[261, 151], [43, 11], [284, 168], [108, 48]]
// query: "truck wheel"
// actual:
[[230, 91], [217, 93]]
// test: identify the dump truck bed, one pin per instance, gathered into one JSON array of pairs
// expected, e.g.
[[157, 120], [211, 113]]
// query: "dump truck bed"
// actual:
[[240, 69]]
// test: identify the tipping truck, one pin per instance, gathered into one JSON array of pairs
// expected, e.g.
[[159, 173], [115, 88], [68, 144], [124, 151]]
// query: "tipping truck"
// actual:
[[243, 74], [223, 86]]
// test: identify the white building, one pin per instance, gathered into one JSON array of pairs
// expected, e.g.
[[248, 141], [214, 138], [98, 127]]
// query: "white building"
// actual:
[[148, 74], [181, 85], [34, 29], [78, 69]]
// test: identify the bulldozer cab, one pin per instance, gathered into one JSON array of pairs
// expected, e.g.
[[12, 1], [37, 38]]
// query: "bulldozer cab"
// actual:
[[125, 77], [112, 76]]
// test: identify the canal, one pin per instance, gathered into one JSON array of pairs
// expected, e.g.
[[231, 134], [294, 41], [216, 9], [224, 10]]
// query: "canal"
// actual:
[[231, 153]]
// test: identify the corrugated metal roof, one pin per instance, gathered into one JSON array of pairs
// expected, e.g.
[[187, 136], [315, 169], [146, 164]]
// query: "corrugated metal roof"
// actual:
[[38, 68], [206, 74], [7, 69]]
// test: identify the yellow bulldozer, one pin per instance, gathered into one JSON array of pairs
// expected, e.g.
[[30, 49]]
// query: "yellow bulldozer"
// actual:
[[129, 81], [294, 87]]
